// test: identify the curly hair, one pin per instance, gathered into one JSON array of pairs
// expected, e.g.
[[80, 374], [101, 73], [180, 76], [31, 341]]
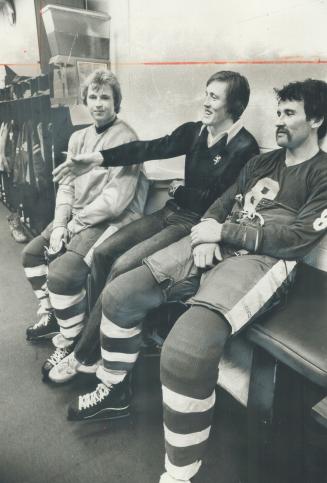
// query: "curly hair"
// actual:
[[313, 93]]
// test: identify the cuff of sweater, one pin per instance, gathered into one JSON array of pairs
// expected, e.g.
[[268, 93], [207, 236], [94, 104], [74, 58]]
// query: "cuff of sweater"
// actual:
[[178, 193], [241, 236], [59, 223], [106, 161], [78, 220]]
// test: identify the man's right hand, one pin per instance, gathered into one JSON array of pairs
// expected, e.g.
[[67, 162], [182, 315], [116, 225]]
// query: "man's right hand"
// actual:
[[59, 233], [176, 183], [77, 165]]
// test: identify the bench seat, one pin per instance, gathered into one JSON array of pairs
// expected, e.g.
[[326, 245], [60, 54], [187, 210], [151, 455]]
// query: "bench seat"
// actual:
[[296, 334]]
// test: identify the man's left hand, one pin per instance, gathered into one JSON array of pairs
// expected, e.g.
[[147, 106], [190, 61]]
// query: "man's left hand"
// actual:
[[206, 254], [77, 165], [208, 231]]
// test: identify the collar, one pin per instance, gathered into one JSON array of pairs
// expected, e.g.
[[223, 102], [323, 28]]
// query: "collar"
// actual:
[[101, 129], [231, 132]]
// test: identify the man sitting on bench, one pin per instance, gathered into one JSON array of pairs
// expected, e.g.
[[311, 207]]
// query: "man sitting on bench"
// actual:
[[88, 209], [215, 149], [246, 248]]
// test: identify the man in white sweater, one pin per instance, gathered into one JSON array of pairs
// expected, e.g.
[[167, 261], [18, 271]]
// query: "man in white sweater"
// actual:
[[88, 210]]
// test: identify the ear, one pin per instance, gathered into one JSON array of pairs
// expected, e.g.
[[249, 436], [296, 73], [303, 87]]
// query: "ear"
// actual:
[[316, 123]]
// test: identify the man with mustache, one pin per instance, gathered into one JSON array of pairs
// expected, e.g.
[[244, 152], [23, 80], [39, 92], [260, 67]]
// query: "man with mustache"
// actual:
[[246, 248]]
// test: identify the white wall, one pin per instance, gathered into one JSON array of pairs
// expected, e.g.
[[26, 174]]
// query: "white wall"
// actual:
[[160, 95], [164, 50], [18, 43]]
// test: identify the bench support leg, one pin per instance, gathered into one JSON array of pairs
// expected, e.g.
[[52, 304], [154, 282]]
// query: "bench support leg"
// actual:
[[275, 422]]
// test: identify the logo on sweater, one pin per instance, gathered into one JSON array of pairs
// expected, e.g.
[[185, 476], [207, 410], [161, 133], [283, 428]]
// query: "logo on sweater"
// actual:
[[216, 159]]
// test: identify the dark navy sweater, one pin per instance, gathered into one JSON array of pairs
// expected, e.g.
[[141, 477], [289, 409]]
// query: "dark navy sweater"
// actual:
[[208, 171], [291, 202]]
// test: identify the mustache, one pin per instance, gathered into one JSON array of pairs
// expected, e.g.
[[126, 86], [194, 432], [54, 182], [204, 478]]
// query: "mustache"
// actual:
[[282, 130]]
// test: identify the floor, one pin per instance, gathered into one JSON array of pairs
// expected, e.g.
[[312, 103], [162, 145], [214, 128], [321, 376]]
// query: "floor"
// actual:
[[38, 444]]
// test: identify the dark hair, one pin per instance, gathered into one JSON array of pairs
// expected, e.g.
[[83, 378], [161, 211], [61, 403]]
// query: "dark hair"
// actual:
[[100, 78], [237, 92], [313, 93]]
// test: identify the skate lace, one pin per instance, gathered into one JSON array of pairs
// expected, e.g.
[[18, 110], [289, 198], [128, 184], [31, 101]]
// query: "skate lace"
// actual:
[[58, 355], [68, 364], [43, 322], [91, 399]]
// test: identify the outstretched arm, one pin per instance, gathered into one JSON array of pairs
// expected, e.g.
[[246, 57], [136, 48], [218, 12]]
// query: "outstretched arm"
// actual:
[[136, 152], [77, 165]]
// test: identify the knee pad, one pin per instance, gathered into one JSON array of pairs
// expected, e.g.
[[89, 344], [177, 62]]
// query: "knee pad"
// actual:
[[113, 302], [127, 299], [103, 255], [180, 365], [33, 252], [26, 257], [58, 277], [118, 268], [67, 274], [174, 357], [99, 254]]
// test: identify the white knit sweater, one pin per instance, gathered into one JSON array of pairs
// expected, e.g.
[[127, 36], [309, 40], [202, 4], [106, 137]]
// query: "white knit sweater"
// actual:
[[102, 193]]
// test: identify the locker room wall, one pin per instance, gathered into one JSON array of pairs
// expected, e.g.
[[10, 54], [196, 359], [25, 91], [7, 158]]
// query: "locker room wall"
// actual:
[[160, 95], [18, 43], [153, 45]]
